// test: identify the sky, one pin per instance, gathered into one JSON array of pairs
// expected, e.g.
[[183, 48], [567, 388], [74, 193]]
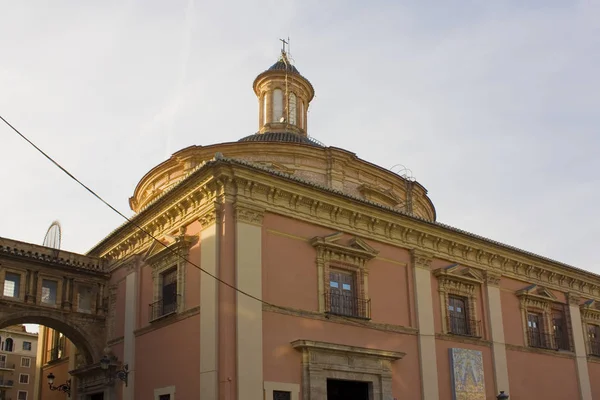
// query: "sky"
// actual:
[[493, 105]]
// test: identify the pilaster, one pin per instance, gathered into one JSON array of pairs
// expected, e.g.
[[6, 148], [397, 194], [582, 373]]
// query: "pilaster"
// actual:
[[583, 376], [209, 249], [248, 272], [496, 324], [131, 300], [421, 262]]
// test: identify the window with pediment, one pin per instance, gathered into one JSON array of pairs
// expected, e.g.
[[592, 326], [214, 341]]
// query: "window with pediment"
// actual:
[[545, 321], [458, 299], [343, 275], [590, 317], [168, 277]]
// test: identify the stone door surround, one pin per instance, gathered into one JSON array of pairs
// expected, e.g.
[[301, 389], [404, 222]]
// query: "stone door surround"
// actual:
[[322, 361]]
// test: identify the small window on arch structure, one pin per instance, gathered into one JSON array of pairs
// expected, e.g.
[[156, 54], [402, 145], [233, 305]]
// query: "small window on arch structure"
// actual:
[[282, 395]]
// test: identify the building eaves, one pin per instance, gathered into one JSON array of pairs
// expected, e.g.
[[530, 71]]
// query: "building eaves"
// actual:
[[219, 158]]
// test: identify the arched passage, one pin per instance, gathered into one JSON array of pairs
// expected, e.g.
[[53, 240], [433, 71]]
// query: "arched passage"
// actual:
[[88, 344]]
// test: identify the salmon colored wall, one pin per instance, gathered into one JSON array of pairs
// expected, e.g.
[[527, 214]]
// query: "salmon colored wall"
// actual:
[[511, 311], [282, 363], [164, 359], [443, 364], [146, 287], [594, 373], [290, 272], [60, 369], [541, 376]]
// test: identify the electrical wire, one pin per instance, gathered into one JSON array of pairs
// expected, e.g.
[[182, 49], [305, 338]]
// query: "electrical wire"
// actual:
[[353, 321]]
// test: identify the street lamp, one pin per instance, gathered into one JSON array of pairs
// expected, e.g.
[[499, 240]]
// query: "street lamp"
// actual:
[[121, 374], [65, 387], [502, 396]]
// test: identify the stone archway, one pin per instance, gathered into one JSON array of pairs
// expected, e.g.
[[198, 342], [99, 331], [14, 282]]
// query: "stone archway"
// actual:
[[88, 338]]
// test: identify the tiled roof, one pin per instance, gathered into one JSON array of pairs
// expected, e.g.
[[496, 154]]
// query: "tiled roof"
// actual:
[[280, 66], [288, 137]]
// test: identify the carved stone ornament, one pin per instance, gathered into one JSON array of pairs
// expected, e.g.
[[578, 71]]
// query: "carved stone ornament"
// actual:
[[590, 312], [248, 214], [492, 278], [534, 296], [421, 259]]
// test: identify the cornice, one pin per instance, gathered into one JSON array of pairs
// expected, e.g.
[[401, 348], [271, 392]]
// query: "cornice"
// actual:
[[293, 197]]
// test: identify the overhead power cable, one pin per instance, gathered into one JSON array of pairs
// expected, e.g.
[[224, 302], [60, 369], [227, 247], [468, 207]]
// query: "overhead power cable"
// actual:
[[153, 237]]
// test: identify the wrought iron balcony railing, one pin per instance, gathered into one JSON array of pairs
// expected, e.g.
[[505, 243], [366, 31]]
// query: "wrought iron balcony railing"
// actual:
[[561, 341], [540, 340], [6, 383], [594, 347], [163, 307], [6, 365], [464, 326], [340, 304]]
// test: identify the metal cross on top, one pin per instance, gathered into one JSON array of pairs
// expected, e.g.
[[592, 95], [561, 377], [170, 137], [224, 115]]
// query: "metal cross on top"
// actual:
[[283, 43]]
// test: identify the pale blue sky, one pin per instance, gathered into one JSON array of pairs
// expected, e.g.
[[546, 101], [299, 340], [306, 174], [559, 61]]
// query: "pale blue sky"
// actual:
[[492, 105]]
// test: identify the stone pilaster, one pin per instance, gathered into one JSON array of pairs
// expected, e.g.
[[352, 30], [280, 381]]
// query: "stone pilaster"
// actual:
[[421, 262], [583, 376], [496, 324]]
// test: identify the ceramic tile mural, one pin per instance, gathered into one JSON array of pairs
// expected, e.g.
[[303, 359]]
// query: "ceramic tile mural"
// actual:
[[466, 368]]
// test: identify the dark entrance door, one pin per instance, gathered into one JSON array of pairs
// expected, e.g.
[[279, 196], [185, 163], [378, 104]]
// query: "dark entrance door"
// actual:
[[347, 390], [97, 396]]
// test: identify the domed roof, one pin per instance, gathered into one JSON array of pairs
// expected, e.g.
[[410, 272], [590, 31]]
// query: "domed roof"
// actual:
[[288, 137], [280, 66]]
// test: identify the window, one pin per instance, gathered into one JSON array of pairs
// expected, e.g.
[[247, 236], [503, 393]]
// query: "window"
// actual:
[[27, 346], [277, 105], [594, 340], [544, 320], [49, 290], [22, 395], [12, 284], [292, 109], [8, 344], [282, 395], [25, 362], [164, 397], [3, 363], [458, 296], [24, 379], [343, 286], [84, 298], [265, 117]]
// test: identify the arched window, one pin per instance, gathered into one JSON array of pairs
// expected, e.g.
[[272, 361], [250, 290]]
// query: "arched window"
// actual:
[[277, 105], [292, 109], [8, 345], [265, 109]]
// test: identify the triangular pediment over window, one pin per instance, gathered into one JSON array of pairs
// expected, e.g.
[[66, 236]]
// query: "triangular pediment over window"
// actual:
[[354, 246], [460, 272], [537, 291]]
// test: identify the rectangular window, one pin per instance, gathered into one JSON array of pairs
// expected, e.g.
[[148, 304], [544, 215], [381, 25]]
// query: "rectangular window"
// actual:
[[458, 320], [49, 290], [84, 298], [25, 362], [24, 379], [535, 331], [282, 395], [342, 294], [169, 291], [594, 340], [27, 346], [12, 283], [561, 334], [3, 363], [22, 395]]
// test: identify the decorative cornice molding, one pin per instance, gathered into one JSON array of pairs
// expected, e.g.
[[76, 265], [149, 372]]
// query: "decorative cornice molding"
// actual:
[[312, 345], [590, 312], [289, 197], [356, 252], [492, 278], [573, 299], [248, 213], [421, 259]]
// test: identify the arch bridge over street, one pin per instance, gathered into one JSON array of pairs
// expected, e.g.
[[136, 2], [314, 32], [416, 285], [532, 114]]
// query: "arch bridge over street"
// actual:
[[58, 289]]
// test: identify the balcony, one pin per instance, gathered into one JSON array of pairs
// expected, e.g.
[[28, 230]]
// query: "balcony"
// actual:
[[6, 366], [594, 347], [5, 383], [340, 304], [461, 326], [164, 307], [540, 340]]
